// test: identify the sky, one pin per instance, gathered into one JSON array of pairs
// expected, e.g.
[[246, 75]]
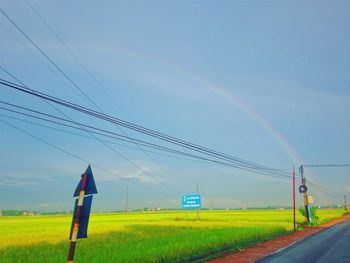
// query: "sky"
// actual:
[[264, 81]]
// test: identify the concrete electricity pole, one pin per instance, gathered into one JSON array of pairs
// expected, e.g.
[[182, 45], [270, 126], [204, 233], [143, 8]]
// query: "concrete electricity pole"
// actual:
[[294, 201], [345, 205], [197, 190], [303, 190]]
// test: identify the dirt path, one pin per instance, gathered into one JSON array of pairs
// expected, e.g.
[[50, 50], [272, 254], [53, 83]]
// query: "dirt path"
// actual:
[[260, 250]]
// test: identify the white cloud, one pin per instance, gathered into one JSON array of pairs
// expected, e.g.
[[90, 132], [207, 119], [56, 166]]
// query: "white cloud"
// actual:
[[44, 205], [16, 181], [141, 174]]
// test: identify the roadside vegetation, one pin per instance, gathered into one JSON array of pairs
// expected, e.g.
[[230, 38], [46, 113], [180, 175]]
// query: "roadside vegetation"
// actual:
[[174, 236]]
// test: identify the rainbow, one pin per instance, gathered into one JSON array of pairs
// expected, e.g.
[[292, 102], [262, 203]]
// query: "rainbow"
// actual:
[[242, 106]]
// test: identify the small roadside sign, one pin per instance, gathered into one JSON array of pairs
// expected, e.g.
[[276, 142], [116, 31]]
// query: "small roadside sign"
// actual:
[[84, 191], [191, 201], [310, 199]]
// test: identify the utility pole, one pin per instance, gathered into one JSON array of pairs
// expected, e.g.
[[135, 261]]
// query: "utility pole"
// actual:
[[303, 189], [126, 200], [294, 202], [345, 205], [197, 191]]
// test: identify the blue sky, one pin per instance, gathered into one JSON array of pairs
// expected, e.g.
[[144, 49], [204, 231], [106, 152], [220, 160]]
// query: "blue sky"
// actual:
[[265, 81]]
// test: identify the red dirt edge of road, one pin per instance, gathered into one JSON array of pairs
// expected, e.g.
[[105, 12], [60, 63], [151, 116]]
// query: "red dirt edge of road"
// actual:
[[260, 250]]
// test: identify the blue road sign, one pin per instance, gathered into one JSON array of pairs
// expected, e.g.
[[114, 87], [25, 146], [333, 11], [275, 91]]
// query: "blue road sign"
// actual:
[[84, 217], [90, 187], [191, 201]]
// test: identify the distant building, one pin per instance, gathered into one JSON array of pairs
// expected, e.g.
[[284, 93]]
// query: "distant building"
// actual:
[[28, 213]]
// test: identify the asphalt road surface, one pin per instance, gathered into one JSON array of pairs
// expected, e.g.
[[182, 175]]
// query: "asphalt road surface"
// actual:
[[331, 245]]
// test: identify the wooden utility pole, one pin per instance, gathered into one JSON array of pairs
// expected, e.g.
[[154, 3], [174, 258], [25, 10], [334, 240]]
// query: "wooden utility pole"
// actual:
[[294, 201]]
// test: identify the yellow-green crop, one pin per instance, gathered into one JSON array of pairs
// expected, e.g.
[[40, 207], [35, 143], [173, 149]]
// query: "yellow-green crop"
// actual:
[[143, 237]]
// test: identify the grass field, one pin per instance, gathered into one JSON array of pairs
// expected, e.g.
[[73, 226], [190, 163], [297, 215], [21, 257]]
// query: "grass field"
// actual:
[[143, 237]]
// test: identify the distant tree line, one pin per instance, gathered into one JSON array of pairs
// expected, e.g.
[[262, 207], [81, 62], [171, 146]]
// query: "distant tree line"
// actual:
[[10, 212]]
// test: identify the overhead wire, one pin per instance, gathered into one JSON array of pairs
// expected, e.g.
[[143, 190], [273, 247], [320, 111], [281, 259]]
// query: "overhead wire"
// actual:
[[58, 68], [325, 191], [79, 158], [137, 128], [99, 84], [239, 163], [71, 119], [169, 154], [152, 145], [70, 80], [105, 131], [321, 188], [32, 53], [326, 165], [171, 188]]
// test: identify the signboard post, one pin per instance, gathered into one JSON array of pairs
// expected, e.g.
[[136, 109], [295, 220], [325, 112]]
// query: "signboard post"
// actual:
[[81, 212], [191, 202]]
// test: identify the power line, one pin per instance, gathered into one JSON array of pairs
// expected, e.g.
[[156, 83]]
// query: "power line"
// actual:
[[326, 165], [172, 155], [104, 143], [32, 53], [137, 128], [323, 188], [70, 80], [50, 60], [320, 188], [64, 125], [146, 144], [69, 50], [325, 191], [98, 83], [104, 131], [77, 157], [33, 42], [238, 162]]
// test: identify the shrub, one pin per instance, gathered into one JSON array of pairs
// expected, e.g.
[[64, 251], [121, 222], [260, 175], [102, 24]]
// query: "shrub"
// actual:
[[313, 212]]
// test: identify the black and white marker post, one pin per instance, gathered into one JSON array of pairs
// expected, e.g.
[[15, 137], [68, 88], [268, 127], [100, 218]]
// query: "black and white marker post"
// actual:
[[82, 208]]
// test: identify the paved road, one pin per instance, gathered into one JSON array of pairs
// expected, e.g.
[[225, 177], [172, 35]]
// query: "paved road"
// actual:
[[328, 246]]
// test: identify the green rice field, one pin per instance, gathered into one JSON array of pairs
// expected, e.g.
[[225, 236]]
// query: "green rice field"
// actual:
[[174, 236]]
